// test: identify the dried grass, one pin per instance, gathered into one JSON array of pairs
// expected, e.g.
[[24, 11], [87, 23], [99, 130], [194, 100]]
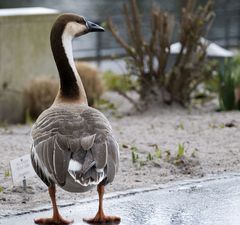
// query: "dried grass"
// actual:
[[92, 81], [39, 95]]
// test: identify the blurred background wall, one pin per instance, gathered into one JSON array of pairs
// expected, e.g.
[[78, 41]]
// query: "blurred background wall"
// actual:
[[24, 53], [25, 50], [225, 30]]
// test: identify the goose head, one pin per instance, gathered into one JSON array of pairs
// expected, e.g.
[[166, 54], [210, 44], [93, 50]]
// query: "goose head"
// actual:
[[74, 25]]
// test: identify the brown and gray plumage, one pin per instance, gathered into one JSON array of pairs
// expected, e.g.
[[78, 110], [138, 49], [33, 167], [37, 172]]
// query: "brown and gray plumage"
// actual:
[[73, 145]]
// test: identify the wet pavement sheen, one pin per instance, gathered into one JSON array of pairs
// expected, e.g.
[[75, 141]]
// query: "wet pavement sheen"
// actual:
[[207, 202]]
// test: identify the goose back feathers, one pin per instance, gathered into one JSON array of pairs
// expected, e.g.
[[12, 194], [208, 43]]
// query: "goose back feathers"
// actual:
[[73, 146]]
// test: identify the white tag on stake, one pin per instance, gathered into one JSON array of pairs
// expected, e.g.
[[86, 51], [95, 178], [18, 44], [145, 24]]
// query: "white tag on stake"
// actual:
[[21, 169]]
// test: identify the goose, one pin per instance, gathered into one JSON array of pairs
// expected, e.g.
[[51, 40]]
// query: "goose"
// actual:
[[73, 144]]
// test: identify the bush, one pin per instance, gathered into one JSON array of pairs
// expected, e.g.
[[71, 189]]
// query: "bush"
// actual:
[[39, 95], [149, 57], [236, 70], [92, 81], [229, 84], [226, 92], [236, 74], [118, 82]]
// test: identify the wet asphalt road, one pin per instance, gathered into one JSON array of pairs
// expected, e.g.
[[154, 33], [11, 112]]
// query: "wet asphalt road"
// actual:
[[206, 202]]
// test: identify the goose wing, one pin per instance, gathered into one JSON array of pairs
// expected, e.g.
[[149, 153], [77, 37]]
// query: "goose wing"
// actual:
[[66, 142]]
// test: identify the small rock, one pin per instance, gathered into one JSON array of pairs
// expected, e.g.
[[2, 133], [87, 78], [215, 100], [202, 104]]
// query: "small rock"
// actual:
[[124, 146], [138, 181], [230, 124], [156, 164]]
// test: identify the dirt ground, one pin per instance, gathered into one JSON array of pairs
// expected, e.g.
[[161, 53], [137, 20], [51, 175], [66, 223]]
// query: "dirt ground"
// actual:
[[153, 139]]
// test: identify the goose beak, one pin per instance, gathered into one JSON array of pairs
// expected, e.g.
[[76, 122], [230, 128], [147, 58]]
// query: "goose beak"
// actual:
[[93, 27]]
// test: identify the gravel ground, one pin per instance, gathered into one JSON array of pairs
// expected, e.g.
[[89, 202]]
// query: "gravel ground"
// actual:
[[210, 141]]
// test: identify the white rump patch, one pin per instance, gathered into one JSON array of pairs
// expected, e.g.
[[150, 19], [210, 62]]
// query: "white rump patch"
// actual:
[[100, 170], [74, 165]]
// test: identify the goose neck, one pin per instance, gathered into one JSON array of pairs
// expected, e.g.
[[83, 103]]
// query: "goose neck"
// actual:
[[71, 87]]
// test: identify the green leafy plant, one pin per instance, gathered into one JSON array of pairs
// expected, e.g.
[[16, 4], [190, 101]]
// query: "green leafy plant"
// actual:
[[158, 153], [181, 151], [149, 157], [178, 159], [226, 86], [181, 126], [104, 104], [121, 84], [134, 148], [236, 70], [7, 173], [135, 157], [236, 74], [222, 125], [118, 82], [1, 189]]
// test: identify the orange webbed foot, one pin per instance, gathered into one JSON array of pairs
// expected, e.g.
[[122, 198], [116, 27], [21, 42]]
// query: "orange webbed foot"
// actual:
[[53, 221], [102, 219]]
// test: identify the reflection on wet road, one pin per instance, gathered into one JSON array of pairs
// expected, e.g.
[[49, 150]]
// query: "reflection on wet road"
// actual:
[[207, 202]]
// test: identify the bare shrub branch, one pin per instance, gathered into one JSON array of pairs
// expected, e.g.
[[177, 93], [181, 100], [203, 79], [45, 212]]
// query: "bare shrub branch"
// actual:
[[150, 57]]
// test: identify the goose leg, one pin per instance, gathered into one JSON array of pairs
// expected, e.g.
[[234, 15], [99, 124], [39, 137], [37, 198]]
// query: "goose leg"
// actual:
[[100, 217], [57, 218]]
